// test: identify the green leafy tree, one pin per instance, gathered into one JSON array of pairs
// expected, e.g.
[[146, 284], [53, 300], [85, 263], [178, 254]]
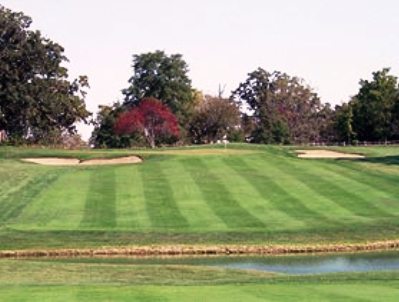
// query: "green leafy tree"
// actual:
[[343, 123], [104, 136], [326, 123], [374, 107], [156, 75], [283, 108], [164, 78], [214, 119], [248, 126], [395, 118], [37, 101]]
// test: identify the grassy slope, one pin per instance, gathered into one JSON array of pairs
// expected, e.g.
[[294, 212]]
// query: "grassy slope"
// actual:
[[249, 194], [64, 281], [261, 195]]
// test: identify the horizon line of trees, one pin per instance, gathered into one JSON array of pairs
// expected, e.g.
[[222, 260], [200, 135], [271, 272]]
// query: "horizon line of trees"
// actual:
[[40, 105], [268, 107]]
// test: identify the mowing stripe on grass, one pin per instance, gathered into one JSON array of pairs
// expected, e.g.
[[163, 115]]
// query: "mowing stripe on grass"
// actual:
[[190, 199], [273, 291], [100, 212], [12, 177], [160, 202], [383, 193], [104, 293], [219, 198], [328, 184], [131, 207], [281, 198], [258, 202], [274, 170], [310, 294], [358, 182], [385, 184], [311, 196], [18, 200], [293, 182], [390, 179], [359, 291], [61, 205], [331, 292]]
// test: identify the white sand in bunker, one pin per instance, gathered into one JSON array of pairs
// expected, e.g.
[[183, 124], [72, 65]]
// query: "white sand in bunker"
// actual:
[[56, 161], [326, 154]]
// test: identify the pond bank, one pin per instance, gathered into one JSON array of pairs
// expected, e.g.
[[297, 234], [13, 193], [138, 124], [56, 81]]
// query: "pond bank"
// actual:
[[171, 250]]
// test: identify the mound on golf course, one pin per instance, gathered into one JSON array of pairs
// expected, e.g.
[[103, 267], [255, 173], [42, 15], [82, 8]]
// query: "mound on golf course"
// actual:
[[247, 194]]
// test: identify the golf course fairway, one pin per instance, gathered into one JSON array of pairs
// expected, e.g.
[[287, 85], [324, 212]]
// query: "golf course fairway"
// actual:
[[198, 197]]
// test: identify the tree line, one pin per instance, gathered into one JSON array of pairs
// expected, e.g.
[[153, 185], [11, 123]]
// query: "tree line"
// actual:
[[40, 105], [267, 107]]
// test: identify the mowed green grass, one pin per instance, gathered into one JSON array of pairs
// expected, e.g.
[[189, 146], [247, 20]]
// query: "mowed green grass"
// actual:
[[245, 194], [304, 292], [34, 280]]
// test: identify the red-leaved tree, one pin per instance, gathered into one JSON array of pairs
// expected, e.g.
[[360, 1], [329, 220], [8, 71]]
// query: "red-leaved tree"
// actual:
[[150, 118]]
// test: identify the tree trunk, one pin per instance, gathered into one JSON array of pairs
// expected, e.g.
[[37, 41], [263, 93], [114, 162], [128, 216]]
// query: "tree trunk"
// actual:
[[150, 138]]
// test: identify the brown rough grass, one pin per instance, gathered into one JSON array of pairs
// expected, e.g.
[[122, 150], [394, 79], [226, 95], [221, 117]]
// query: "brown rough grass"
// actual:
[[180, 250]]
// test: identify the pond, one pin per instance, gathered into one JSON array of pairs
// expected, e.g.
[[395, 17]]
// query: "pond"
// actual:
[[287, 264], [320, 264]]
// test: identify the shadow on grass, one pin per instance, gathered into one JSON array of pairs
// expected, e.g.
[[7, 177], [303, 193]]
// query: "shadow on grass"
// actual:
[[387, 160]]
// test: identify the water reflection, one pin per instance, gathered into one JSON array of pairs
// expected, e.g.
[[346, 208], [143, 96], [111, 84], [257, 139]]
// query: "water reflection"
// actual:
[[310, 264], [320, 264]]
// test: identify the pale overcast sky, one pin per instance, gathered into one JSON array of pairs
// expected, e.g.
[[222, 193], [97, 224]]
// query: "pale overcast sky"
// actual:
[[331, 44]]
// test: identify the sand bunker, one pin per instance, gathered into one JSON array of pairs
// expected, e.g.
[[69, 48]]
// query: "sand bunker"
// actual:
[[55, 161], [326, 154]]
